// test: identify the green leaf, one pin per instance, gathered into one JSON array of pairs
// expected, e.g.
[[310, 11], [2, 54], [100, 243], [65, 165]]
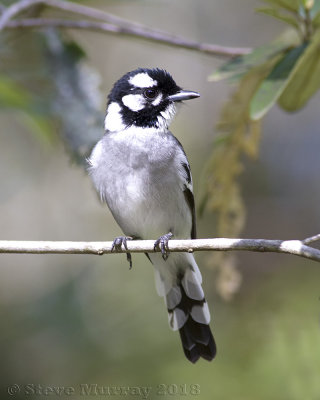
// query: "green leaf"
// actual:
[[39, 125], [290, 5], [60, 89], [74, 51], [305, 79], [278, 15], [12, 95], [273, 86], [240, 65]]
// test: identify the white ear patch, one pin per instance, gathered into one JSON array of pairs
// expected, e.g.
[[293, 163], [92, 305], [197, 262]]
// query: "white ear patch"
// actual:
[[135, 102], [157, 100], [113, 121], [142, 80]]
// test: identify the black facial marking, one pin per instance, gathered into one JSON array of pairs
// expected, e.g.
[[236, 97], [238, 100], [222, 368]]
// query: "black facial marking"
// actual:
[[147, 117]]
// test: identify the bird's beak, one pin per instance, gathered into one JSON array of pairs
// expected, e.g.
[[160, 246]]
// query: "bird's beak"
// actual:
[[184, 95]]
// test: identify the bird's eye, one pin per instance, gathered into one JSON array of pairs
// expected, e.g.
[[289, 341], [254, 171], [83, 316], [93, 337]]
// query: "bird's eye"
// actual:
[[150, 93]]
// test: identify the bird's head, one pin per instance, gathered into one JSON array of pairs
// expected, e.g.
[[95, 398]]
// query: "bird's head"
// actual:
[[144, 98]]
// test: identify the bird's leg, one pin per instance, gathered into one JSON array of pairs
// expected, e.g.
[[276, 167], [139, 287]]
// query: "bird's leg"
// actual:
[[162, 244], [117, 244]]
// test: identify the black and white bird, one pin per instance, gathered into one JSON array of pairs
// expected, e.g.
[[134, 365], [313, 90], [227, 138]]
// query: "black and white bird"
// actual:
[[141, 171]]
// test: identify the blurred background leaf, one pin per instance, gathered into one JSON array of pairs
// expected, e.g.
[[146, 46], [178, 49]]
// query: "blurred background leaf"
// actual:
[[220, 186], [77, 101], [304, 80], [57, 93], [240, 65], [274, 84], [290, 77], [290, 5], [12, 95], [275, 13]]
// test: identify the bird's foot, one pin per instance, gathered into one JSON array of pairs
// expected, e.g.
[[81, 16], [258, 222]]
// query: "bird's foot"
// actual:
[[162, 244], [117, 245]]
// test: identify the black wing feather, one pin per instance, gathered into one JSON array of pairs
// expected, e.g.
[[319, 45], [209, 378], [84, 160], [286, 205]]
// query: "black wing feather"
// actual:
[[190, 201]]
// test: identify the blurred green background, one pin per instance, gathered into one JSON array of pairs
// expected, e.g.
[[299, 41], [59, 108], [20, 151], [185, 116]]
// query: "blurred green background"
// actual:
[[71, 320]]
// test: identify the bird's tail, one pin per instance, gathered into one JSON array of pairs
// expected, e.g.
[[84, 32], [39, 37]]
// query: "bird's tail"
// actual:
[[179, 280]]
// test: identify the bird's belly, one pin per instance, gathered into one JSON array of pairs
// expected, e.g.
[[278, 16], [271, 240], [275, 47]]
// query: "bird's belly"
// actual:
[[147, 209], [140, 181]]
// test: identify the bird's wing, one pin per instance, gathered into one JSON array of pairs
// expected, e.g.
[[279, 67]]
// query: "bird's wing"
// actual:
[[188, 188], [188, 195]]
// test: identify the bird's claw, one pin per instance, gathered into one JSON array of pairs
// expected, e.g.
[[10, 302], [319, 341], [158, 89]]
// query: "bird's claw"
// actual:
[[162, 244], [117, 245]]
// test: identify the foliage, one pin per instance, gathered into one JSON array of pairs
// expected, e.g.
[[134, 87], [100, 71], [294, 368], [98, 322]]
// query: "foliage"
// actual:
[[239, 135], [286, 72], [299, 59], [55, 94], [77, 100]]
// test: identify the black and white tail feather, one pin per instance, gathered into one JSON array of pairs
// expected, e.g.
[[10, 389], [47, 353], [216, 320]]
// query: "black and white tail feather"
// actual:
[[187, 308], [141, 171]]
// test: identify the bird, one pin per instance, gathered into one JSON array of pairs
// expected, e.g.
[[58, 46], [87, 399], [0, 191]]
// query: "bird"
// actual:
[[140, 169]]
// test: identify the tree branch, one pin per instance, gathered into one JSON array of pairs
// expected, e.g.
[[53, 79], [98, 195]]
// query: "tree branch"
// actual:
[[132, 31], [112, 24], [22, 5], [294, 247], [311, 239]]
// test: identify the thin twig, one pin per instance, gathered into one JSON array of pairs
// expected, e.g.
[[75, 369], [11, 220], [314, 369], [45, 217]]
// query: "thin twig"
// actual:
[[137, 32], [311, 239], [71, 7], [114, 25], [294, 247]]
